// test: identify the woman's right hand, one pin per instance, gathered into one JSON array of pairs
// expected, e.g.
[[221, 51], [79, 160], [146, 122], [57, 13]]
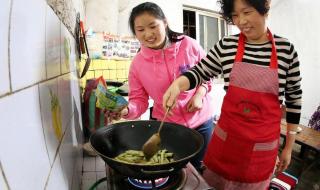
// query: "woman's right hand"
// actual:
[[171, 94]]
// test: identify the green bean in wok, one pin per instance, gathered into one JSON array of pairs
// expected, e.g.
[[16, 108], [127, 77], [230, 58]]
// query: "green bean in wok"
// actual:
[[137, 157]]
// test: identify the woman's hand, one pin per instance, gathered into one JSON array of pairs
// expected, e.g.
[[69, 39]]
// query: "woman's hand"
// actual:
[[284, 161], [170, 96], [195, 103], [116, 115], [285, 156]]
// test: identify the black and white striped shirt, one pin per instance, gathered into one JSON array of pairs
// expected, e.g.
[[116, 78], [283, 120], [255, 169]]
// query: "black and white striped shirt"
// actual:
[[221, 58]]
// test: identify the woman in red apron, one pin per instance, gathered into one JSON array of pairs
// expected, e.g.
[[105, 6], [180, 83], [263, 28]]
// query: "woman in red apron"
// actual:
[[243, 150]]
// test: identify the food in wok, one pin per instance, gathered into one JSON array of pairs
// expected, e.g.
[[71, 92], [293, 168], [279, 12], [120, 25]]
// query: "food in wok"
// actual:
[[137, 157]]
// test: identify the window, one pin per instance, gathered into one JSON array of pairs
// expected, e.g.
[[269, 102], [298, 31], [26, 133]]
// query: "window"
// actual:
[[189, 23], [204, 26]]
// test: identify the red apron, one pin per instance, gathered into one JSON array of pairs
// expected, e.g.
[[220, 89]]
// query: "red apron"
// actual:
[[244, 145]]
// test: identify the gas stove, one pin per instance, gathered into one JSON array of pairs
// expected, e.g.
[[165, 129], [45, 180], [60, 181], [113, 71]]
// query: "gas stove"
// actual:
[[186, 179]]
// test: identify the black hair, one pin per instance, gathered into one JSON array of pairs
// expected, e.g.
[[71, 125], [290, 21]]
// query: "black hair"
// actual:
[[262, 6], [157, 12]]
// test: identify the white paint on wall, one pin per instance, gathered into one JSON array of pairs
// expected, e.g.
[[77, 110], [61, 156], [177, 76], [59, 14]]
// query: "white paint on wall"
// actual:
[[211, 5], [102, 15], [297, 20], [113, 17], [172, 10], [79, 7]]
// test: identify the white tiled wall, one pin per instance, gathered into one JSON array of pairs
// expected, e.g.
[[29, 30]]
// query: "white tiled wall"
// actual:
[[4, 29], [31, 155], [65, 42], [67, 153], [77, 171], [57, 179], [65, 98], [75, 88], [23, 148], [53, 66], [27, 42], [45, 99], [73, 58]]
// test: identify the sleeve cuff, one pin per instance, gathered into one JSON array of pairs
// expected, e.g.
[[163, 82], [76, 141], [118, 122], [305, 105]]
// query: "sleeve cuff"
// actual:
[[293, 118], [191, 79]]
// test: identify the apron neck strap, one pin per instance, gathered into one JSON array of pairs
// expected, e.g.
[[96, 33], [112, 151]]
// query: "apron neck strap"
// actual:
[[241, 44]]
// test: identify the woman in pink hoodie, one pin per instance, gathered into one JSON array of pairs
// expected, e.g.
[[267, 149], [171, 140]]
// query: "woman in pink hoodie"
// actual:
[[164, 55]]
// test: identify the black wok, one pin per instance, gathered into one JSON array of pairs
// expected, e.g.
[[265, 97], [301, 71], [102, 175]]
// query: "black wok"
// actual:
[[114, 139]]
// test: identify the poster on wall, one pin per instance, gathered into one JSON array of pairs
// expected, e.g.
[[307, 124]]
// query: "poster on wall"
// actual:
[[56, 116], [116, 47], [134, 47], [102, 45]]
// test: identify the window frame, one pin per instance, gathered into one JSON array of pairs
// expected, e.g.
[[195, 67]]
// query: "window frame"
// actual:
[[207, 13]]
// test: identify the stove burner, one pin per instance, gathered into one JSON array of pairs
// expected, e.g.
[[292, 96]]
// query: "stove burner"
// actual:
[[185, 179], [148, 184]]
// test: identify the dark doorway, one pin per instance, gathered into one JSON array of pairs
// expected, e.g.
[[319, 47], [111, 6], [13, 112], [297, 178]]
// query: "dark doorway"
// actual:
[[189, 23]]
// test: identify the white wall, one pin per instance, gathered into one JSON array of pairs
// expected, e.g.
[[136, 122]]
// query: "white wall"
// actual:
[[102, 15], [38, 55], [203, 4], [297, 20], [172, 10], [112, 15], [4, 33]]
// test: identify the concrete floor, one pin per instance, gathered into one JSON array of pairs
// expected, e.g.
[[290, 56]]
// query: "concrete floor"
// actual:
[[306, 169], [93, 170]]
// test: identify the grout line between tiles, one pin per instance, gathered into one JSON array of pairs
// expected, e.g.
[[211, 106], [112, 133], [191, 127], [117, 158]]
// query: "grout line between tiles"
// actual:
[[4, 176], [32, 85], [9, 36], [56, 155], [45, 41], [42, 125]]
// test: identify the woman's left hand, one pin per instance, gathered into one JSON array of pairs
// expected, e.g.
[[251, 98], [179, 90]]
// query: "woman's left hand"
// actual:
[[111, 116], [285, 159], [195, 103]]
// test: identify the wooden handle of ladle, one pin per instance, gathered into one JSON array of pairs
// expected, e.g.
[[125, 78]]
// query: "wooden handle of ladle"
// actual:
[[164, 117]]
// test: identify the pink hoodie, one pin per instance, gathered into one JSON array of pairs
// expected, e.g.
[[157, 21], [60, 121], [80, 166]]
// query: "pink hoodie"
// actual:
[[152, 72]]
